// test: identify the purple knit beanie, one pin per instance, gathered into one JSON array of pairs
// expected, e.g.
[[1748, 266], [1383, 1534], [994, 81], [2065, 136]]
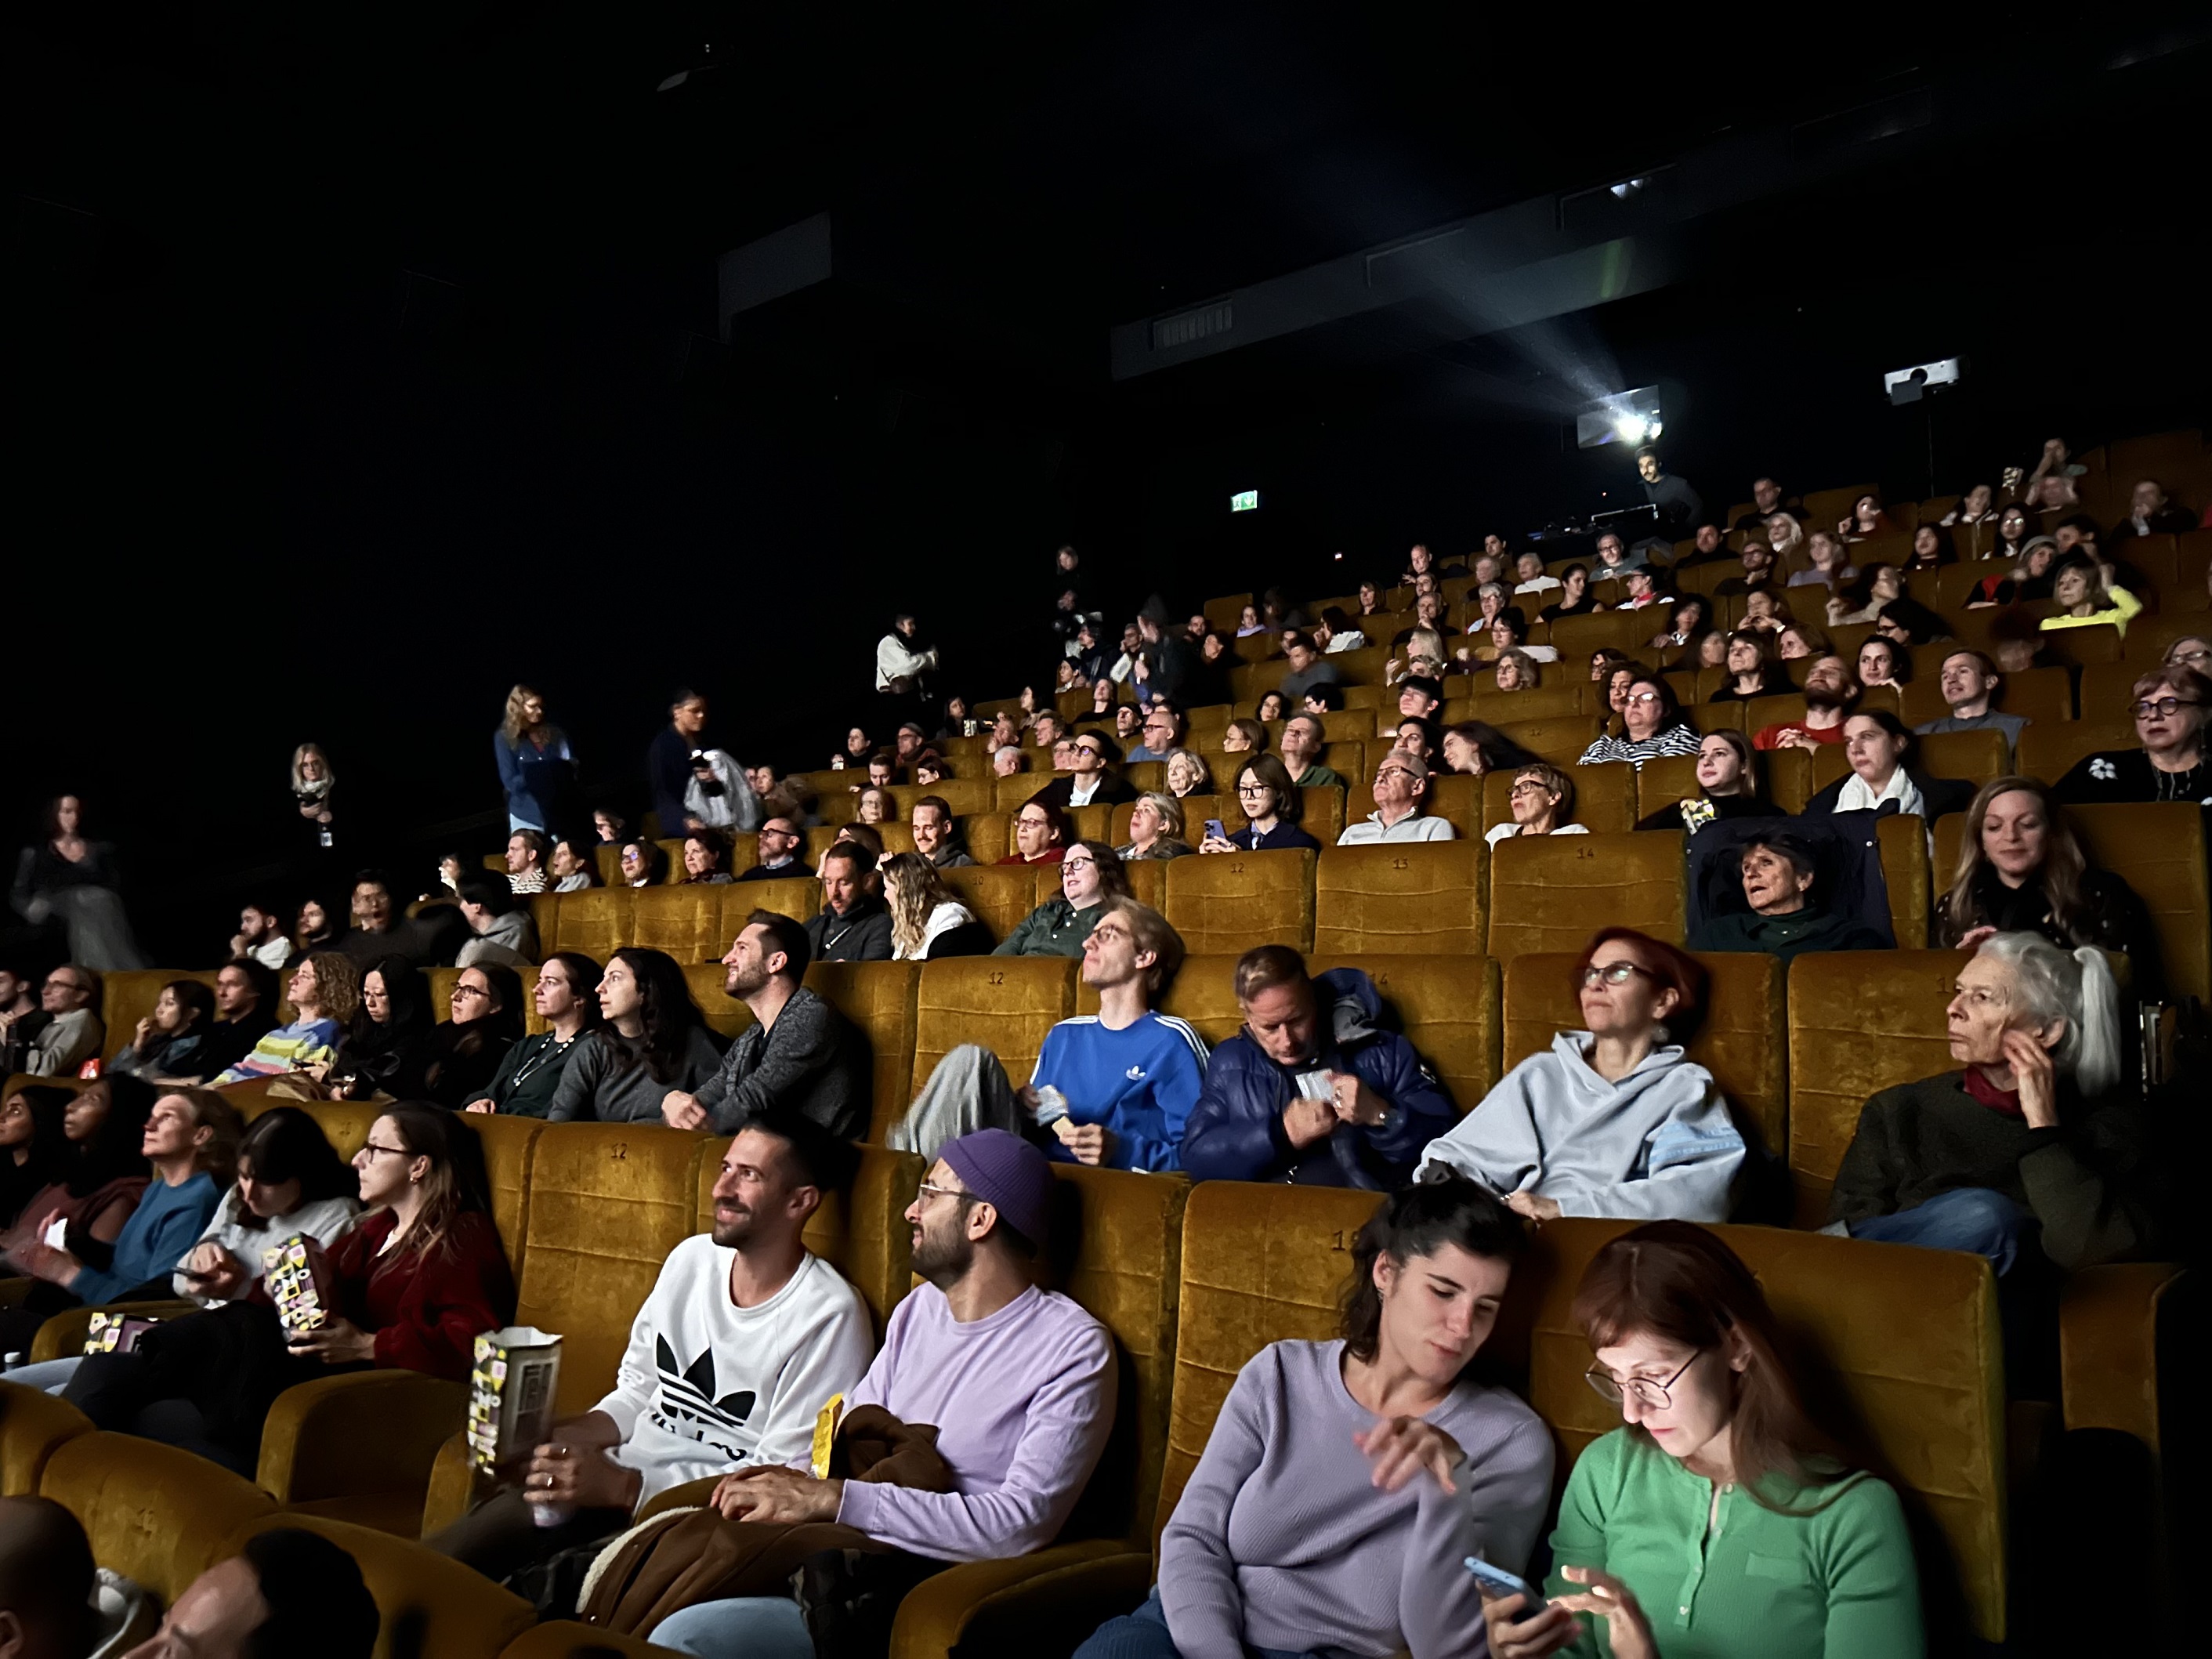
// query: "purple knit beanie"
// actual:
[[1007, 1173]]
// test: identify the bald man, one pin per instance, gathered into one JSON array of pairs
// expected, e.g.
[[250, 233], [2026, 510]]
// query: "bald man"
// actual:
[[46, 1582]]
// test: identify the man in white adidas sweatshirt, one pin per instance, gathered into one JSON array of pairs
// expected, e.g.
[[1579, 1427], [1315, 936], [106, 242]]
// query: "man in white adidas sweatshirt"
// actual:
[[744, 1338]]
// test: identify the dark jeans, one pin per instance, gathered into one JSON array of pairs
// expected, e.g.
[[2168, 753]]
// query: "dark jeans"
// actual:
[[1970, 1219], [1143, 1635], [500, 1535]]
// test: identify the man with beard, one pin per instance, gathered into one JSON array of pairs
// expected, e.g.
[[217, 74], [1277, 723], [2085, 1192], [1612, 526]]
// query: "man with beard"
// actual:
[[1020, 1383], [1830, 689], [799, 1054], [744, 1338]]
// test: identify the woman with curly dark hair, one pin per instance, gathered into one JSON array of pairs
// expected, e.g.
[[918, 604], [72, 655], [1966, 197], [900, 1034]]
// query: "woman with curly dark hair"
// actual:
[[654, 1040]]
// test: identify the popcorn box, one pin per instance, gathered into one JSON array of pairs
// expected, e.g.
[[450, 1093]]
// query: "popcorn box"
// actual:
[[511, 1385], [297, 1275], [107, 1333]]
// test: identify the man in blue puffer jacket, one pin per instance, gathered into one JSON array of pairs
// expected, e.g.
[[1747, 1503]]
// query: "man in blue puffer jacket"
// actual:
[[1311, 1090]]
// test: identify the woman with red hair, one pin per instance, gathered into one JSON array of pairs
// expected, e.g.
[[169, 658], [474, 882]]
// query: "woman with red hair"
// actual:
[[1614, 1120], [1791, 1552]]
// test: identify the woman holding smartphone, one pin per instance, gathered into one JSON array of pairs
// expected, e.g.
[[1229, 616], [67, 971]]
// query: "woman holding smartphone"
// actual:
[[1716, 1470], [1344, 1481]]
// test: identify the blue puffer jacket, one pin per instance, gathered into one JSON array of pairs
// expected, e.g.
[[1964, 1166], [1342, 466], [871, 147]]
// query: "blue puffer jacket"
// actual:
[[1236, 1132]]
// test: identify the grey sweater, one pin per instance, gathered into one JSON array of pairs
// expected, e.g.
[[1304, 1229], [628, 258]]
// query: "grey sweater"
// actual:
[[1283, 1540], [607, 1082], [811, 1061]]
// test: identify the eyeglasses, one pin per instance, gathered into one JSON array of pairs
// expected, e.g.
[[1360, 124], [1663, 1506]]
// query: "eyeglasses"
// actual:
[[1250, 788], [1092, 749], [1527, 786], [1642, 698], [1078, 863], [1648, 1393], [1612, 973], [2164, 707], [461, 991], [923, 1192], [373, 1150], [1382, 771]]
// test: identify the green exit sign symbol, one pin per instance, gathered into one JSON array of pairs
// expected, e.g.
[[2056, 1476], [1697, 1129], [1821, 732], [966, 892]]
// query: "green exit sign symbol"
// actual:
[[1244, 500]]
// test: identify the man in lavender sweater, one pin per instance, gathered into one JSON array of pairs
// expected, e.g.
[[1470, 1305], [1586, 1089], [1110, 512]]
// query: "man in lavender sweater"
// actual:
[[1020, 1381], [1344, 1482]]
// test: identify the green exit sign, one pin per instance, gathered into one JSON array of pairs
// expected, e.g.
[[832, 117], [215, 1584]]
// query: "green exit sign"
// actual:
[[1244, 500]]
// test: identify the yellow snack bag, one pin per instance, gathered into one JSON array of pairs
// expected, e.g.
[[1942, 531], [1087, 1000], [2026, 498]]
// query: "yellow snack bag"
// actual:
[[825, 1434]]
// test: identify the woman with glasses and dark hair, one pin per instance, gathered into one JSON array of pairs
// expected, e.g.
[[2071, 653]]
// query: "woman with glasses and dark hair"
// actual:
[[1271, 807], [654, 1039], [465, 1051], [1613, 1120], [567, 998], [1090, 874], [1405, 1464], [2168, 704], [1797, 1553], [1652, 722], [410, 1287]]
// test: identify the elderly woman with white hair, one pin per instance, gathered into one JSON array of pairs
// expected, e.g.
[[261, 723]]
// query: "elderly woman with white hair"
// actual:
[[2033, 1140]]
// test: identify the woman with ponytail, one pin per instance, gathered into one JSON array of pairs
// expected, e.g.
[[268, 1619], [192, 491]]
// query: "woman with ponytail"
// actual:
[[2034, 1139]]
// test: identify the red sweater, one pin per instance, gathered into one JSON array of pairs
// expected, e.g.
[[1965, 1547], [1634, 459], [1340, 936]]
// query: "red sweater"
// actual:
[[427, 1311]]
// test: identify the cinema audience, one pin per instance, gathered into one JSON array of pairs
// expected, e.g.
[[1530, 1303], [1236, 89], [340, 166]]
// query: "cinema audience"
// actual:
[[654, 1039], [325, 992], [1542, 801], [1090, 876], [1883, 777], [1021, 1382], [2033, 1142], [1115, 1089], [1613, 1120], [1156, 830], [776, 1328], [1652, 722], [1041, 834], [70, 1031], [412, 1286], [1714, 1444], [566, 997], [1311, 1090]]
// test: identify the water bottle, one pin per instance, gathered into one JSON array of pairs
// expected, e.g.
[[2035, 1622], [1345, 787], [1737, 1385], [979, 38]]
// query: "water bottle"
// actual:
[[13, 1362]]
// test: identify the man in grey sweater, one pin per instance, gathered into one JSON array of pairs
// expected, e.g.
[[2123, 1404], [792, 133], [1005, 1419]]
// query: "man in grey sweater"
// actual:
[[800, 1052]]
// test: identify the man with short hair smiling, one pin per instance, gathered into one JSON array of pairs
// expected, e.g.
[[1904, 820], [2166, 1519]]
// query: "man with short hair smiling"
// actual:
[[261, 934], [1091, 779], [800, 1054], [853, 924], [1780, 872], [287, 1590], [1970, 682], [1020, 1381], [1304, 736], [1312, 1090], [1831, 689], [932, 826], [1116, 1087], [73, 1032], [1401, 783], [1163, 731], [780, 842], [525, 865]]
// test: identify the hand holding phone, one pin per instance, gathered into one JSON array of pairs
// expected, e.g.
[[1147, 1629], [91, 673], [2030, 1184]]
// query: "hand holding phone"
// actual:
[[1497, 1584]]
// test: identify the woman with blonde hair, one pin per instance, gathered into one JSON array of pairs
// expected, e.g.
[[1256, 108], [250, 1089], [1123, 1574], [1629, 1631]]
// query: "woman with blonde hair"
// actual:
[[312, 781], [536, 766], [929, 920], [1156, 830], [2022, 870], [325, 992], [1187, 773]]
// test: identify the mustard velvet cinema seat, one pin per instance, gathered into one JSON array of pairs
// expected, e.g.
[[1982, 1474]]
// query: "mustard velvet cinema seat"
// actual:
[[877, 997], [596, 922], [1006, 1004], [153, 1513], [128, 995], [685, 922], [1227, 902], [1447, 1008], [32, 1425], [1001, 895], [1401, 897], [1910, 1335], [1552, 892]]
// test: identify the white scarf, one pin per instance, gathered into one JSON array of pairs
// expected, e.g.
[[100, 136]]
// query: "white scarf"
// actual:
[[1858, 797]]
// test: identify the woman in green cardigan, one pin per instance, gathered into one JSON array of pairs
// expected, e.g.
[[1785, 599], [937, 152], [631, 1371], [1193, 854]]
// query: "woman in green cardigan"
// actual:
[[1717, 1522]]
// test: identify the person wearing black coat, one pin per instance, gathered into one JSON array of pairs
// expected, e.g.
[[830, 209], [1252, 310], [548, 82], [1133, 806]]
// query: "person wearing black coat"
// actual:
[[385, 1047]]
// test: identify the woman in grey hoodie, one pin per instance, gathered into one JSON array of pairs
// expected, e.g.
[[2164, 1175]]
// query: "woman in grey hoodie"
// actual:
[[1613, 1120]]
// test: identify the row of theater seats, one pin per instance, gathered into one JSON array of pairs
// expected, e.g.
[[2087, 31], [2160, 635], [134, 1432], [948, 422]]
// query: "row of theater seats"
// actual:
[[1191, 1283], [1457, 898]]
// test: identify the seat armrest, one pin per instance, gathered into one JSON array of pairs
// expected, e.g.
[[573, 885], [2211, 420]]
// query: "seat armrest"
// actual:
[[1039, 1604], [360, 1432], [64, 1335], [453, 1490], [2109, 1321]]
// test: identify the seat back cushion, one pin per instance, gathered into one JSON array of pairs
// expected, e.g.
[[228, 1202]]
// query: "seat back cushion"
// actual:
[[1230, 902], [433, 1607], [1400, 897], [1447, 1008], [1552, 892], [877, 997], [1006, 1004], [154, 1513]]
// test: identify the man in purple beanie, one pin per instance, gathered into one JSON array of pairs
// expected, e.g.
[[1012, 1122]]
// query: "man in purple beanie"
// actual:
[[1020, 1384]]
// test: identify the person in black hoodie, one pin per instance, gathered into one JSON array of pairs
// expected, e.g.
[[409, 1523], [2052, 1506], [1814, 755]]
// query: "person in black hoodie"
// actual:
[[1168, 661], [853, 924], [34, 1149], [464, 1052], [1727, 787], [383, 1051]]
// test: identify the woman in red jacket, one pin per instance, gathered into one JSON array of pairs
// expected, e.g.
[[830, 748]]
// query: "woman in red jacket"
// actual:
[[410, 1286]]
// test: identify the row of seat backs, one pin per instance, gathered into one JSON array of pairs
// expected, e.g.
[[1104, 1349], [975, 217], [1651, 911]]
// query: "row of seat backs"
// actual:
[[161, 1516], [1909, 1337]]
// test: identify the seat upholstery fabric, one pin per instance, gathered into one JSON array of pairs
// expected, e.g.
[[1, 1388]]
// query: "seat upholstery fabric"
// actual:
[[32, 1425], [1006, 1004], [877, 997], [1402, 897], [1000, 895], [1552, 892], [1447, 1008], [433, 1607], [685, 922], [1233, 901], [153, 1513]]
